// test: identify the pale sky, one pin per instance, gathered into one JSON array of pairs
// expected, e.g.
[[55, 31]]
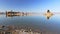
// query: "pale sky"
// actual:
[[30, 5]]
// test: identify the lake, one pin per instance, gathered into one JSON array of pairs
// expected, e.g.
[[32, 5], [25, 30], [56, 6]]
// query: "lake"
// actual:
[[34, 22]]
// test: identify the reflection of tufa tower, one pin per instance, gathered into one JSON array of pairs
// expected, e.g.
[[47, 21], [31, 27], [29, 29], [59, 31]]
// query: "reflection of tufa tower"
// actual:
[[48, 14]]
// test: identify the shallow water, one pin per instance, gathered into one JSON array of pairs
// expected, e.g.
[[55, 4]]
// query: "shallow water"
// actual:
[[35, 22]]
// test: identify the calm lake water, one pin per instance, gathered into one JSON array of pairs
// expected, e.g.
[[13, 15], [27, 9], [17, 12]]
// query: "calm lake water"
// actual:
[[36, 22]]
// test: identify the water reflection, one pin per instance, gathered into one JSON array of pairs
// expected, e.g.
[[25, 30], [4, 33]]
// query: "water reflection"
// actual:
[[48, 14], [11, 13], [33, 22]]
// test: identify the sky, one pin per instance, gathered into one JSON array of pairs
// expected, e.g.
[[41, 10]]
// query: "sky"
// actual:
[[30, 5]]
